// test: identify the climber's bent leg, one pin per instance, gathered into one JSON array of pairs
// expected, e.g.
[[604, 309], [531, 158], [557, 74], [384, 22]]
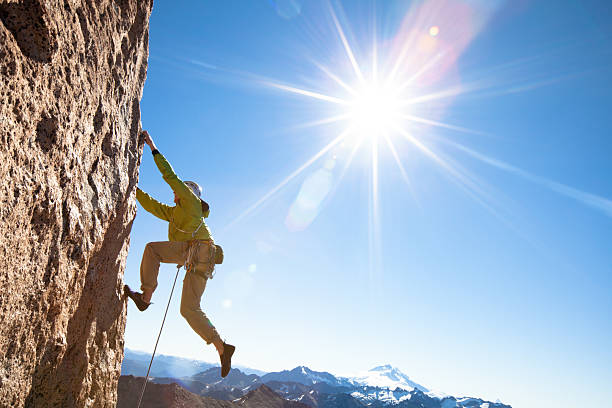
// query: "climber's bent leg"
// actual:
[[153, 255], [193, 287]]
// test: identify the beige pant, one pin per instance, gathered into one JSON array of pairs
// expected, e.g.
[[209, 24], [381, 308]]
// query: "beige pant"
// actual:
[[193, 284]]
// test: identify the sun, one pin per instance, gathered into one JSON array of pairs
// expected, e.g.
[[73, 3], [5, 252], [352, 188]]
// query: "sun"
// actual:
[[374, 110], [375, 103]]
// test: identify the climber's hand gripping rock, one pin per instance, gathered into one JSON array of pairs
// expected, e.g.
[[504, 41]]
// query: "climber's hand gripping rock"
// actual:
[[148, 140]]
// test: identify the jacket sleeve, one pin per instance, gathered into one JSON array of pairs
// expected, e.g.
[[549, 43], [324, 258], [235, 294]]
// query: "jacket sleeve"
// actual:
[[172, 179], [153, 206]]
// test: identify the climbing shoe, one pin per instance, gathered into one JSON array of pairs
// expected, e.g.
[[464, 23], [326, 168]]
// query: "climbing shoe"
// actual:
[[226, 359], [137, 298]]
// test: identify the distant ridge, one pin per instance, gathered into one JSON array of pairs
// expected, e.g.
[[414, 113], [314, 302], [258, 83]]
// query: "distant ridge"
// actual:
[[305, 375], [264, 397]]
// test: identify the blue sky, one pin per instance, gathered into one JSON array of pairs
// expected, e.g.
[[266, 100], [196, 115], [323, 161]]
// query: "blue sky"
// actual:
[[464, 238]]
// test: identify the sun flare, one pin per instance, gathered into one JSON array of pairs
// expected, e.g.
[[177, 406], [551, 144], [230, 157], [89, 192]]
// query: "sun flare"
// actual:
[[380, 100], [374, 111]]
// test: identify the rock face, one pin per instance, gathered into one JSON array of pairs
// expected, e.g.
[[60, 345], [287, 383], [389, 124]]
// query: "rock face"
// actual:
[[72, 77]]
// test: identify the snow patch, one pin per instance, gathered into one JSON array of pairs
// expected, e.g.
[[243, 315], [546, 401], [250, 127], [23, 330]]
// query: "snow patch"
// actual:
[[386, 376]]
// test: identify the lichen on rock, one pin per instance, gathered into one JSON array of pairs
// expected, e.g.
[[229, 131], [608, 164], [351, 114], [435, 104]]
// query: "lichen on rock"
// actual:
[[72, 77]]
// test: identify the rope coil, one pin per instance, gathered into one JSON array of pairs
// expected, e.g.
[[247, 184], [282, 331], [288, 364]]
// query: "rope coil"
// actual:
[[192, 258]]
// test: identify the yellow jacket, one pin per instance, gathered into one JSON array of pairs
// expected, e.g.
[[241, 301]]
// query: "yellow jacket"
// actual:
[[185, 217]]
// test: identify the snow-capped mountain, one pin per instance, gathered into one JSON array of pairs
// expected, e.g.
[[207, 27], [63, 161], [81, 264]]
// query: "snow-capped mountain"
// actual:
[[386, 376], [369, 395]]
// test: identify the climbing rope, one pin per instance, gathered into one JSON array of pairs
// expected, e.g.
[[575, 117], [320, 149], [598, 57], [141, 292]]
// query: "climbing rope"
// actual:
[[178, 268]]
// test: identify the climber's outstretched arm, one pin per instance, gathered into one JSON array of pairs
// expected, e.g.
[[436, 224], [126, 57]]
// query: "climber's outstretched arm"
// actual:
[[167, 171], [153, 206]]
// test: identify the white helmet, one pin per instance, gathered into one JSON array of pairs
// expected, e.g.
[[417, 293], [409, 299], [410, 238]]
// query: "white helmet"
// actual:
[[197, 190]]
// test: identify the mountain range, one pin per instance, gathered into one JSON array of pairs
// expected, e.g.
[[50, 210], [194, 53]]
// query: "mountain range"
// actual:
[[381, 387]]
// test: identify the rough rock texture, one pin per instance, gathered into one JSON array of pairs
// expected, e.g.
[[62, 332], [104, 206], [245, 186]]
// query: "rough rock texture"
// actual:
[[72, 76]]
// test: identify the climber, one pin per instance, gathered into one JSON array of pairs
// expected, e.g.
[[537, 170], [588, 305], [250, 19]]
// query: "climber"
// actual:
[[190, 244]]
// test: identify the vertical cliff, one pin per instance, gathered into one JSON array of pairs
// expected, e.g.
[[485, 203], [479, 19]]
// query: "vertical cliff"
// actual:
[[72, 77]]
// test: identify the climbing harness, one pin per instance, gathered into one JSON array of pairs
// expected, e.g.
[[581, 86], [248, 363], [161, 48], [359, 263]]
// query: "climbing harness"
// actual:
[[178, 268], [194, 247]]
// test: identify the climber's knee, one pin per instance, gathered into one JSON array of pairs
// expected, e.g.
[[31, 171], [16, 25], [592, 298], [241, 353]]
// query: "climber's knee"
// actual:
[[150, 250], [185, 312]]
